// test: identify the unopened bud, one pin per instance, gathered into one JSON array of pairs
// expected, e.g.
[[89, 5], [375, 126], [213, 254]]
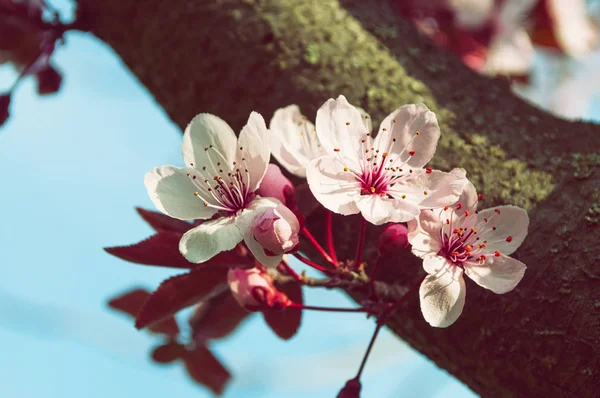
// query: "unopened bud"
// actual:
[[49, 80], [253, 289], [276, 230], [393, 239], [4, 105], [350, 390], [275, 185]]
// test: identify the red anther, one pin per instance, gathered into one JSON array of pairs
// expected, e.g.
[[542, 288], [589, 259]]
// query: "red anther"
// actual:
[[473, 230], [454, 254], [482, 246], [445, 208], [336, 149], [479, 196], [411, 153], [485, 219], [481, 257], [468, 248], [497, 253], [428, 170], [509, 238], [447, 221], [497, 211], [466, 213], [494, 228], [458, 206]]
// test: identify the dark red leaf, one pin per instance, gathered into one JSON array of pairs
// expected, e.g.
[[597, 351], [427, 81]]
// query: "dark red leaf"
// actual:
[[132, 302], [49, 80], [179, 292], [285, 323], [161, 249], [168, 352], [161, 222], [206, 369], [217, 317]]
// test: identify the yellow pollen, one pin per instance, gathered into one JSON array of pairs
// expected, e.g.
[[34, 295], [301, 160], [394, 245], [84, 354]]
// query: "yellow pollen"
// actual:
[[385, 155], [417, 132], [196, 194], [473, 230], [395, 121], [424, 192], [347, 123], [403, 196], [384, 129], [345, 169], [372, 189]]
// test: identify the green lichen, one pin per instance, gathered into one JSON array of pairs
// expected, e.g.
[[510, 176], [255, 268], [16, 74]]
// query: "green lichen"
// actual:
[[312, 54], [584, 164], [593, 214]]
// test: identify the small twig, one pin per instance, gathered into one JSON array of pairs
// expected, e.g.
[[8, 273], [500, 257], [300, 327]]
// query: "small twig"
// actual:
[[317, 246], [329, 309], [311, 263]]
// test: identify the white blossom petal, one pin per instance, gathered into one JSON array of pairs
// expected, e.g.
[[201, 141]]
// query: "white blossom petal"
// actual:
[[424, 233], [172, 192], [254, 139], [203, 131], [378, 210], [340, 126], [208, 239], [336, 189], [403, 125], [442, 188], [511, 225], [285, 131], [498, 274], [244, 224], [443, 297], [574, 30], [434, 264], [468, 198]]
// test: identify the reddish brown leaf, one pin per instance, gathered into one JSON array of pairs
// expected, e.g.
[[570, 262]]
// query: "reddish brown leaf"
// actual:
[[168, 352], [132, 302], [179, 292], [206, 369], [285, 323], [161, 222], [217, 317], [161, 249]]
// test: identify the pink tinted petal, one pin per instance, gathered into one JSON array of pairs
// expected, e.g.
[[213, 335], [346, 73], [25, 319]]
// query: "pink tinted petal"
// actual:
[[336, 189], [208, 239], [575, 31], [443, 297], [254, 139], [378, 210], [172, 192], [410, 119], [498, 274], [511, 225], [340, 126], [203, 131]]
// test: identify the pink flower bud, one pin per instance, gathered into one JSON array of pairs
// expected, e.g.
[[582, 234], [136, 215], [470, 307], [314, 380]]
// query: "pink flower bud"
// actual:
[[277, 230], [275, 185], [4, 104], [393, 239], [254, 290]]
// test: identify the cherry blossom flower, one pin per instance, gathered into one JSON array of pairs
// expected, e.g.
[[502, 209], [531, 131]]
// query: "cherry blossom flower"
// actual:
[[459, 240], [253, 289], [384, 178], [219, 181]]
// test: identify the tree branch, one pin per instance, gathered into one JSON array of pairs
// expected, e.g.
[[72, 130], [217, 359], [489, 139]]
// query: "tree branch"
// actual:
[[232, 56]]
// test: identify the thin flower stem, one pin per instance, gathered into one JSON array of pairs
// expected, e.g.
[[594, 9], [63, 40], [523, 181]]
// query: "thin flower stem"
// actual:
[[372, 277], [361, 242], [317, 246], [311, 263], [380, 323], [330, 309], [329, 232], [291, 271]]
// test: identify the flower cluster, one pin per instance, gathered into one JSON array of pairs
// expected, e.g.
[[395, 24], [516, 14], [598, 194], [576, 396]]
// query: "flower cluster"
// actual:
[[232, 219]]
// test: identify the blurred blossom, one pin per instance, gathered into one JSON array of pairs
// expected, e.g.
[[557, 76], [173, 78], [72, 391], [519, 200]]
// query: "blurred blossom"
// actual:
[[253, 289]]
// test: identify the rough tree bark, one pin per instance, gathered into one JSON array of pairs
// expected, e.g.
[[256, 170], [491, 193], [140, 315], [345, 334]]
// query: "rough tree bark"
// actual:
[[229, 57]]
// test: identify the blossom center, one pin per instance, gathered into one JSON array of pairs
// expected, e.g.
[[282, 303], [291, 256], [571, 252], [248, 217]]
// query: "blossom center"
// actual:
[[221, 185], [462, 236]]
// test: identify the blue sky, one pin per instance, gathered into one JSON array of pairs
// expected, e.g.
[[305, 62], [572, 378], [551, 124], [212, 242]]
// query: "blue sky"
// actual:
[[75, 165]]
